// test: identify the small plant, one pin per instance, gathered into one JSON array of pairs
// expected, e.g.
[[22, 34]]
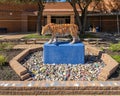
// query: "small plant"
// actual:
[[2, 46], [115, 47], [2, 61], [102, 49], [7, 46]]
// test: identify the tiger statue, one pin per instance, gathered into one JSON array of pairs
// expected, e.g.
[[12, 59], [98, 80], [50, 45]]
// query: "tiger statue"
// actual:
[[61, 29]]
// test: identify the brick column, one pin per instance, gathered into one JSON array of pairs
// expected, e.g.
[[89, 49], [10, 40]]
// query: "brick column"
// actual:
[[48, 19], [24, 24], [72, 19]]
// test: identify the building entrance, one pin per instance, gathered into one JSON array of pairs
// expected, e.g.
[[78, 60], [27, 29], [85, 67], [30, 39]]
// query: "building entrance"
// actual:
[[60, 19]]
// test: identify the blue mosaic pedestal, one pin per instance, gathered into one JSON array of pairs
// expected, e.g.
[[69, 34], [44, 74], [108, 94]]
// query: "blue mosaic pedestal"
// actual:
[[63, 53]]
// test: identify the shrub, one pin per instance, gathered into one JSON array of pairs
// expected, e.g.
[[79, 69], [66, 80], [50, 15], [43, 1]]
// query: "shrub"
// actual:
[[115, 47], [2, 61]]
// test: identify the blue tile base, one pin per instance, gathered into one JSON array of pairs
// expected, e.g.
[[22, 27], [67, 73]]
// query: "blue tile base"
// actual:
[[63, 53]]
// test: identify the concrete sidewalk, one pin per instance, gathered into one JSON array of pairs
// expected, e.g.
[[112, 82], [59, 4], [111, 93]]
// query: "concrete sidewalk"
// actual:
[[13, 35]]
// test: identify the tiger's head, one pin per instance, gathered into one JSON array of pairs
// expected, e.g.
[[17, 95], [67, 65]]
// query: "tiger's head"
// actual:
[[46, 29]]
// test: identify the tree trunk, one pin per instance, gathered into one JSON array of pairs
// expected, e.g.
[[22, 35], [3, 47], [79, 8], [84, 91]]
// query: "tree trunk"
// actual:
[[39, 19], [83, 21], [78, 20], [39, 23], [118, 28], [77, 17]]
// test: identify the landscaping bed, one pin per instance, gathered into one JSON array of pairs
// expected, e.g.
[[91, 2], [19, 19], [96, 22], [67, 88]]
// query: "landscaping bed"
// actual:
[[114, 52], [6, 72], [62, 72]]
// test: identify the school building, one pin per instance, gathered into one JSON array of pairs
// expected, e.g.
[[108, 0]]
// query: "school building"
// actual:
[[23, 18]]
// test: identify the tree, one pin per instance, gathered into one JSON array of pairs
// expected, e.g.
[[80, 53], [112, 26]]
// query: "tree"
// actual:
[[40, 4], [108, 6], [83, 6], [111, 6], [114, 6]]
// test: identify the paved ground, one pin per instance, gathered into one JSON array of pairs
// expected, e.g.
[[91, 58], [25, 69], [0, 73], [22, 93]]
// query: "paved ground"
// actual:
[[18, 36], [13, 35]]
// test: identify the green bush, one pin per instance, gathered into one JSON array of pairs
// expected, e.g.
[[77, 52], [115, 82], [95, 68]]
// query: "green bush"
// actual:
[[116, 57], [2, 61], [115, 47]]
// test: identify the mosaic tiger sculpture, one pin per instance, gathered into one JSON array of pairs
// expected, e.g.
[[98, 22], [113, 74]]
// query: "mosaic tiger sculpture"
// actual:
[[61, 29]]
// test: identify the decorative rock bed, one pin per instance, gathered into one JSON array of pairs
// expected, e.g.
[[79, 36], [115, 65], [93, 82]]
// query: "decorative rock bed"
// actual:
[[62, 72], [98, 67]]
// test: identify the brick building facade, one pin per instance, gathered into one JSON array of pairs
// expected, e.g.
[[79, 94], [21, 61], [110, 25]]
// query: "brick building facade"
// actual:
[[22, 18]]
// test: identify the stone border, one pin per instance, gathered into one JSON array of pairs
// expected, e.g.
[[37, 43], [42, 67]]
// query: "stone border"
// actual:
[[33, 40], [18, 68], [110, 67], [111, 64]]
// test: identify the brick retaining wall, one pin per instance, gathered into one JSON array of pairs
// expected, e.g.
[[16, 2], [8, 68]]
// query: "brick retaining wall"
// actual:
[[59, 88], [110, 67]]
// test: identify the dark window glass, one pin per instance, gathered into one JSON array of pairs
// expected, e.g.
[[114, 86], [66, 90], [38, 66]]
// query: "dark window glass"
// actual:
[[53, 20], [67, 20]]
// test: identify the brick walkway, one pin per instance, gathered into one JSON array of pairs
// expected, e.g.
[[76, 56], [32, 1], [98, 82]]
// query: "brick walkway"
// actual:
[[12, 36]]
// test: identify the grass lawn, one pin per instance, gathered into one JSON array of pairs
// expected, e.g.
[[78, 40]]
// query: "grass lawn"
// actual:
[[115, 47], [30, 36], [115, 51], [116, 57], [34, 35]]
